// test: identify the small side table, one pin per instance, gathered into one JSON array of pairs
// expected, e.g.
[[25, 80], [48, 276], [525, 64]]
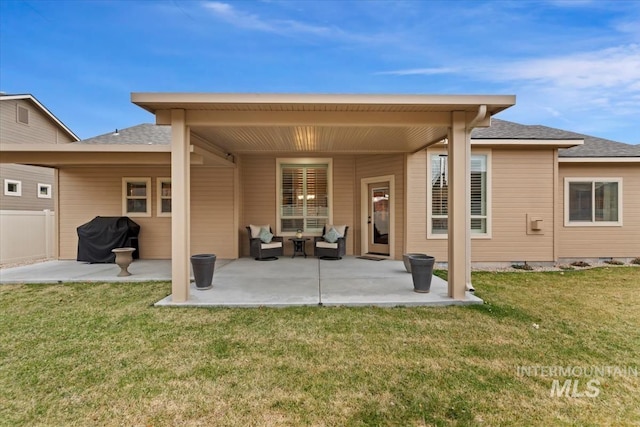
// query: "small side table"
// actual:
[[299, 246]]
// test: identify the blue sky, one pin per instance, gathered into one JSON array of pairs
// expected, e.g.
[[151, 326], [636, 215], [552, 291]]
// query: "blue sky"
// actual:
[[572, 64]]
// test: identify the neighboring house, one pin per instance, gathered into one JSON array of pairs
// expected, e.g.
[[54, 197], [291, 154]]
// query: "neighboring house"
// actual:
[[27, 191], [377, 163]]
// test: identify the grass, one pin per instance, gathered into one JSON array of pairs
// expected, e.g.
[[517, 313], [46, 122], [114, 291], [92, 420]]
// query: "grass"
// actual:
[[101, 354]]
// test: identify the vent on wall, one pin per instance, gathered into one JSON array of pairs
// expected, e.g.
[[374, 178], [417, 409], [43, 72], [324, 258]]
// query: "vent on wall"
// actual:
[[23, 115]]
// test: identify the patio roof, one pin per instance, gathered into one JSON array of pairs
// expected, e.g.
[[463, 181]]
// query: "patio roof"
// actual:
[[253, 123]]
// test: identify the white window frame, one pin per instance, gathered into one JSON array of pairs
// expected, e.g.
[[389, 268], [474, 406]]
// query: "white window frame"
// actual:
[[41, 186], [593, 222], [302, 162], [160, 197], [147, 181], [8, 192], [474, 235]]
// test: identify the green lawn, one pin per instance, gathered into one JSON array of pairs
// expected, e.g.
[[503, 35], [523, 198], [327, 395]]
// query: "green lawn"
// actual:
[[101, 354]]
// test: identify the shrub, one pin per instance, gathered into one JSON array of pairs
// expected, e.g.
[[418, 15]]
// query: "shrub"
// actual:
[[580, 264], [524, 266]]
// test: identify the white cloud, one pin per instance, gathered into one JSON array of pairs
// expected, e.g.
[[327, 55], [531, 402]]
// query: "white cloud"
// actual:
[[249, 21], [419, 71], [240, 19], [609, 68]]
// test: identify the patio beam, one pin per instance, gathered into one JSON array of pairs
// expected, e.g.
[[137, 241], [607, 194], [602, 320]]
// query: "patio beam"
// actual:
[[315, 118], [180, 207]]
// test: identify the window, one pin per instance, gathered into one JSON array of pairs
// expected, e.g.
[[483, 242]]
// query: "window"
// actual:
[[136, 199], [12, 187], [22, 115], [164, 196], [438, 195], [44, 191], [303, 195], [593, 201]]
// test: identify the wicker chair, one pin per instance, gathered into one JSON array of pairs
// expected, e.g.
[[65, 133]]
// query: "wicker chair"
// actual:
[[327, 250], [265, 251]]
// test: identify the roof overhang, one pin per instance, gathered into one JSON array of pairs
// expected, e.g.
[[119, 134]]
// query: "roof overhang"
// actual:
[[254, 123], [55, 155], [547, 143], [599, 159]]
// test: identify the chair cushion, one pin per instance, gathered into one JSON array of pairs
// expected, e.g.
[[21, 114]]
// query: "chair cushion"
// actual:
[[332, 236], [339, 228], [321, 244], [265, 235], [255, 230], [271, 245]]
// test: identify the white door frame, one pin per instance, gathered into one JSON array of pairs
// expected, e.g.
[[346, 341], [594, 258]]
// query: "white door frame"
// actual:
[[364, 213]]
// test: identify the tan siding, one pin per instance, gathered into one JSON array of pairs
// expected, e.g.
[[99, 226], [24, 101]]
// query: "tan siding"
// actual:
[[212, 208], [522, 183], [344, 196], [30, 177], [40, 130], [602, 242], [90, 192], [258, 188], [380, 165], [258, 194]]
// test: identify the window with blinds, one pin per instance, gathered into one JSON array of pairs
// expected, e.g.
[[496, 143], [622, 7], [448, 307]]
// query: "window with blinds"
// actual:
[[304, 203], [440, 194]]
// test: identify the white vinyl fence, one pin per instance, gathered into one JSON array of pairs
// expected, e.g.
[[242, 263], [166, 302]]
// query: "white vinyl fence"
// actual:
[[27, 236]]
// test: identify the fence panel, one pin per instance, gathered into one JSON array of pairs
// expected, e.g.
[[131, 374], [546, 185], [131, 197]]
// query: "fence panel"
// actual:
[[27, 236]]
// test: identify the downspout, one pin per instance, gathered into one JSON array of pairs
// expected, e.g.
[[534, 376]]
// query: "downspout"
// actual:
[[482, 113]]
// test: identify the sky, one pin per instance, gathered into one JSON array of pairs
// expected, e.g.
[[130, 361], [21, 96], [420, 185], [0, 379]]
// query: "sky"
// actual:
[[572, 64]]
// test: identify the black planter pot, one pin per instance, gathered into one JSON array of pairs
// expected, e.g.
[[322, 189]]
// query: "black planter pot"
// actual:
[[203, 266], [421, 271]]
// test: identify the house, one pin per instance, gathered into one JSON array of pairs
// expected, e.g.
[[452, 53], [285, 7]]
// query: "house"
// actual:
[[394, 168], [28, 193]]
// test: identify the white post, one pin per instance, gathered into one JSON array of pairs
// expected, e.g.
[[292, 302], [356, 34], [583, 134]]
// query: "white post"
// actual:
[[180, 207]]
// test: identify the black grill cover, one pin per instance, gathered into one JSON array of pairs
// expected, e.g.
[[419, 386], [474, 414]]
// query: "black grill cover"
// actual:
[[99, 236]]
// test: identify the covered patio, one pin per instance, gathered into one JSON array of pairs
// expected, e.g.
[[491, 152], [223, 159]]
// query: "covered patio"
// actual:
[[223, 126], [248, 283]]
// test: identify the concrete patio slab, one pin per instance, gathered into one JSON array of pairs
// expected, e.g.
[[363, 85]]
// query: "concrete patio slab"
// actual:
[[74, 271], [249, 283]]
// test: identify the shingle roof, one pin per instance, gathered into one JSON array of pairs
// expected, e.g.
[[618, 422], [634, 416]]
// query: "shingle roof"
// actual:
[[145, 134], [148, 133], [592, 147]]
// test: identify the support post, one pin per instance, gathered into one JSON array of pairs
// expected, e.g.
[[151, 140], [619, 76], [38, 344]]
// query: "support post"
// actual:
[[459, 164], [180, 207]]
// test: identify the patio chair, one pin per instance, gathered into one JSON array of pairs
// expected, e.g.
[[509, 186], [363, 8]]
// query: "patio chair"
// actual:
[[264, 246], [331, 246]]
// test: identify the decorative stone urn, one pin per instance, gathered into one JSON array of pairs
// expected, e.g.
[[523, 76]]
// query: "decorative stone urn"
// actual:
[[124, 257]]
